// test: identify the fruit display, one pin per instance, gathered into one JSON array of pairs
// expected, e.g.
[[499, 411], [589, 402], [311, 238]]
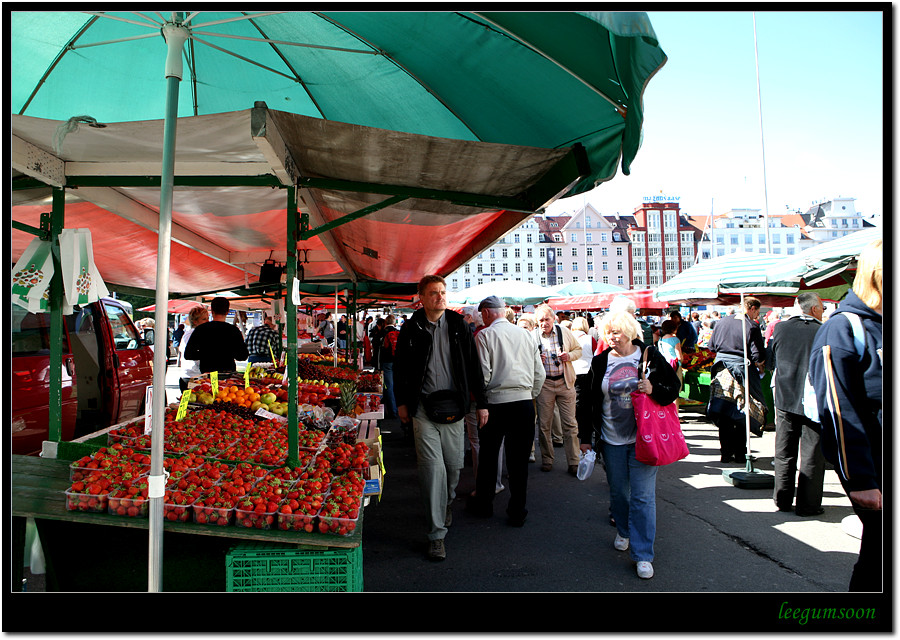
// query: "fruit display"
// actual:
[[227, 468], [699, 360]]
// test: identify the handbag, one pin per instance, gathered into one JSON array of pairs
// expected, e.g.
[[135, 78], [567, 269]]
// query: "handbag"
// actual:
[[659, 438], [444, 406]]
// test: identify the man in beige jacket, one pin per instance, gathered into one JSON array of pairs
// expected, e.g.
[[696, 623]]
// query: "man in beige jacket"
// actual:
[[558, 347]]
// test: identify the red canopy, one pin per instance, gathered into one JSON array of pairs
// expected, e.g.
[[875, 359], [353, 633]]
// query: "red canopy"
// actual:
[[642, 298]]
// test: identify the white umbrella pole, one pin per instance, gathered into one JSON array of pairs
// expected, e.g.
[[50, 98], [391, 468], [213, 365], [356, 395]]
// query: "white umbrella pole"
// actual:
[[746, 379], [175, 36], [334, 321]]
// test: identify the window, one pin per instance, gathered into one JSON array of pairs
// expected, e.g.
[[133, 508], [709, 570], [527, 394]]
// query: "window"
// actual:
[[603, 237], [516, 238], [789, 238], [529, 252], [124, 332], [543, 253], [480, 280], [639, 280], [466, 268], [605, 279], [734, 240], [653, 280], [478, 267], [557, 237], [574, 252], [671, 251], [574, 266], [493, 253], [637, 252], [505, 268], [454, 284], [685, 264], [605, 266], [543, 282], [776, 239], [590, 252], [504, 253], [720, 252], [528, 238], [468, 283], [790, 251], [493, 267], [687, 250], [720, 240], [705, 254], [518, 267], [762, 239], [588, 237], [776, 250], [588, 222], [559, 266], [653, 237], [620, 280], [618, 251], [619, 265], [604, 251], [517, 252], [590, 266]]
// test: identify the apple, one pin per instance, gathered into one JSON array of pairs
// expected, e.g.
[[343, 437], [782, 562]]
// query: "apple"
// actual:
[[268, 398], [256, 405]]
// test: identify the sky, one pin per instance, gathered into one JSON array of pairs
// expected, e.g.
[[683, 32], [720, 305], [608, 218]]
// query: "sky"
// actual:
[[821, 86]]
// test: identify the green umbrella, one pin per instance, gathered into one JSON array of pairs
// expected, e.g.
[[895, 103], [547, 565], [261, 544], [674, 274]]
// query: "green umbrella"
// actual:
[[728, 275], [822, 261], [584, 288], [512, 292], [543, 79]]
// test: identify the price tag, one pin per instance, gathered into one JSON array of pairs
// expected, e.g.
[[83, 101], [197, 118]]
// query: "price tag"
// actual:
[[272, 353], [268, 415], [247, 376], [183, 405], [214, 382], [148, 409]]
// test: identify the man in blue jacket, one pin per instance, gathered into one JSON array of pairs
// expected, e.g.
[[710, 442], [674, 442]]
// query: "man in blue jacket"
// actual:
[[436, 371], [846, 370]]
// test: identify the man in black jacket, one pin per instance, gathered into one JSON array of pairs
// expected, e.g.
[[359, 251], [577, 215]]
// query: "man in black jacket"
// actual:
[[788, 355], [436, 358]]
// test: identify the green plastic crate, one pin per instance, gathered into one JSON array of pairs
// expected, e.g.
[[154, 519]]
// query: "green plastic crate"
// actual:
[[274, 567]]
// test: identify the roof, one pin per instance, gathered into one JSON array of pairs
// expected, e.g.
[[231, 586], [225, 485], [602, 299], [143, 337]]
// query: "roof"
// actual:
[[382, 206]]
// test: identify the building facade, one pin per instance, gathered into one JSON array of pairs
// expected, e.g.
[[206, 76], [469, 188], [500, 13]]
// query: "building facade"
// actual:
[[663, 243]]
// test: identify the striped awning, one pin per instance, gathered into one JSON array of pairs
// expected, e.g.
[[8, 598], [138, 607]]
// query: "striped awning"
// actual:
[[730, 274], [820, 262]]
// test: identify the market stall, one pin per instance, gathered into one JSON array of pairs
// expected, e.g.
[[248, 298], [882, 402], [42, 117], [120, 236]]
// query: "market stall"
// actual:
[[358, 204]]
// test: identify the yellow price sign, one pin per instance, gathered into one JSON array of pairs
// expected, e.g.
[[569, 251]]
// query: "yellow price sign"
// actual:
[[272, 353], [247, 376], [214, 382], [182, 406]]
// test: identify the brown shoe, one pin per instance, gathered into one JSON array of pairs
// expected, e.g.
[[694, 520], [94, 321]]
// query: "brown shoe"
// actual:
[[573, 469], [546, 467], [436, 550]]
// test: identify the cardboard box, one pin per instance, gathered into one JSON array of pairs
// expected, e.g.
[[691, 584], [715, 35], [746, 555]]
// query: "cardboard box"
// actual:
[[374, 481]]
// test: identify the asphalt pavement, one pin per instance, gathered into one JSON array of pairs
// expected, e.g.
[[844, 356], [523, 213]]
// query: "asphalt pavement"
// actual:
[[728, 544]]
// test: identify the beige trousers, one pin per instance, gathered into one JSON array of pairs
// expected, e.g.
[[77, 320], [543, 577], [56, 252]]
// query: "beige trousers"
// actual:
[[555, 394]]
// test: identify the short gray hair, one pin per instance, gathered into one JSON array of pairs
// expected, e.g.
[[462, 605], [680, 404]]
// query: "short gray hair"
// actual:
[[807, 301]]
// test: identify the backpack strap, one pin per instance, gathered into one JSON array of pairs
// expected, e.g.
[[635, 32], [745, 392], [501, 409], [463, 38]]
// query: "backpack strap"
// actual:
[[859, 333], [559, 337]]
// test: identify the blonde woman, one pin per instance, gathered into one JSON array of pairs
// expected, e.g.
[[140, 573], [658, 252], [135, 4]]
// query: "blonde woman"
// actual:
[[191, 368], [846, 371], [608, 419]]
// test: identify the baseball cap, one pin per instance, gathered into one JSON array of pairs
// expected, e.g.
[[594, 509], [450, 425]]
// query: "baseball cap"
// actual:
[[491, 302]]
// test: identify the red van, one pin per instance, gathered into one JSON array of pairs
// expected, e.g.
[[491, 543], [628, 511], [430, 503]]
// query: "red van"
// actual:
[[106, 368]]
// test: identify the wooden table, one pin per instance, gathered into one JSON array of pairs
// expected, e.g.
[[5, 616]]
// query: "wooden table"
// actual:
[[38, 491]]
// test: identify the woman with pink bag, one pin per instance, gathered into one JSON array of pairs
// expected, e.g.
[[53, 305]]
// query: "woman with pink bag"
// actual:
[[610, 423]]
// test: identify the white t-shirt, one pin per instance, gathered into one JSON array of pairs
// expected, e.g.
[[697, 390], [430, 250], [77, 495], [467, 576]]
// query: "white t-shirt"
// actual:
[[621, 378], [190, 368]]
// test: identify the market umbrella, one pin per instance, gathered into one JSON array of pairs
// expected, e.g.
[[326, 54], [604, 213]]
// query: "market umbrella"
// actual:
[[411, 72], [816, 264], [584, 288], [499, 77], [512, 292]]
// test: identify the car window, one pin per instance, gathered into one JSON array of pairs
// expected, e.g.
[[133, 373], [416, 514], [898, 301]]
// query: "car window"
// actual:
[[125, 334], [31, 333]]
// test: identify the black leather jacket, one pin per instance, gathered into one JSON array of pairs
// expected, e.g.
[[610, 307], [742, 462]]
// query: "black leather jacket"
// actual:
[[411, 359]]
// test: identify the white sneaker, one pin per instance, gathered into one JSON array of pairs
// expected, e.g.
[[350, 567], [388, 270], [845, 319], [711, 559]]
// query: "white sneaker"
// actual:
[[621, 543], [644, 570]]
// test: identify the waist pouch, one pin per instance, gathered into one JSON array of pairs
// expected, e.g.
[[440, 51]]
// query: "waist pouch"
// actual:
[[444, 406]]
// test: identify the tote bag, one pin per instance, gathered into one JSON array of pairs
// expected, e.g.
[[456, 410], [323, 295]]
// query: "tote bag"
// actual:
[[659, 438]]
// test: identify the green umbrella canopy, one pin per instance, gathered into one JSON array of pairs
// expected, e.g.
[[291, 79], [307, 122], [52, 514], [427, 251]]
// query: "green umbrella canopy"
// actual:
[[584, 288], [512, 292], [498, 77], [724, 276], [819, 262]]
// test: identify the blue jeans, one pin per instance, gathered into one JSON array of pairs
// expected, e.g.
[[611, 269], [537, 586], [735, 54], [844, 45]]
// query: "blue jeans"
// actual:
[[632, 496], [390, 404]]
